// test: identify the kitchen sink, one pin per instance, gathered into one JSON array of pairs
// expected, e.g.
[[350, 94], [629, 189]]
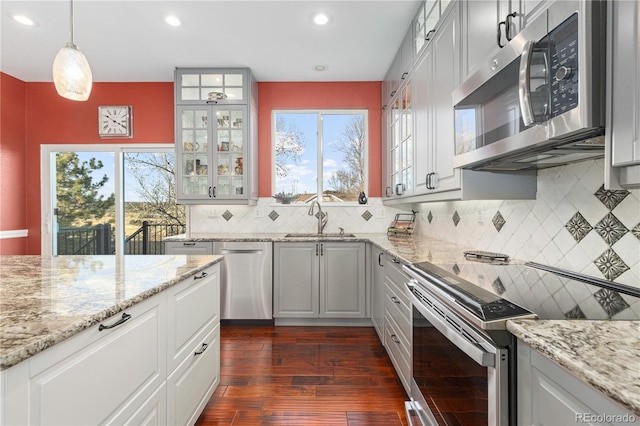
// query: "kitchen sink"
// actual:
[[323, 235]]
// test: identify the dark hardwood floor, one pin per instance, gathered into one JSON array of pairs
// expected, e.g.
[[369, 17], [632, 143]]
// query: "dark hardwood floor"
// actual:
[[304, 376]]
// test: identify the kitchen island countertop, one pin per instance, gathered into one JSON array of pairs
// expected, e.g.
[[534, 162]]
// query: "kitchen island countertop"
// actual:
[[604, 354], [45, 300]]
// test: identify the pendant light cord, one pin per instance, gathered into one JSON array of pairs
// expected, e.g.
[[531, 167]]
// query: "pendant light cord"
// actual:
[[71, 20]]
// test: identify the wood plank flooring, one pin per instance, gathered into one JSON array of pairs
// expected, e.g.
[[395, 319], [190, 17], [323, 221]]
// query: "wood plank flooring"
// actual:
[[304, 376]]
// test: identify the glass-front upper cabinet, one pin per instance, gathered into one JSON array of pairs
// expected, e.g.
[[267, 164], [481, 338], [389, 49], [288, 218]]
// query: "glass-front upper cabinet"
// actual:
[[210, 86], [425, 22], [216, 141], [211, 152]]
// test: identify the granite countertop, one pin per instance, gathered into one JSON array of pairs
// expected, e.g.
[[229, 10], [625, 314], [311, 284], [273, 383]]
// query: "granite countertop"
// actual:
[[604, 354], [45, 300], [408, 249]]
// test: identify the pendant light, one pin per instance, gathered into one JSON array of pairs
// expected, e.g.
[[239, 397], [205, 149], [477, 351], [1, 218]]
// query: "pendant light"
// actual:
[[71, 72]]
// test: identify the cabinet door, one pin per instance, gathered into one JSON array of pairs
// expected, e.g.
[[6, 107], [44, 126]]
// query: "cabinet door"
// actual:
[[99, 376], [188, 247], [194, 135], [625, 83], [191, 306], [342, 280], [481, 18], [445, 79], [211, 86], [230, 151], [193, 382], [422, 108], [296, 280]]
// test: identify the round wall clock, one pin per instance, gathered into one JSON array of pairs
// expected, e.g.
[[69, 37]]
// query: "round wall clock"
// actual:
[[115, 121]]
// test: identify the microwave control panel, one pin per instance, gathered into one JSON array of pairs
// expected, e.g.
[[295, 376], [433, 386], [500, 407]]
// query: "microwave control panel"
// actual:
[[563, 55]]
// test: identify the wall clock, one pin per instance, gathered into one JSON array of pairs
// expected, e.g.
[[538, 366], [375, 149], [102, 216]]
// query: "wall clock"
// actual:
[[115, 121]]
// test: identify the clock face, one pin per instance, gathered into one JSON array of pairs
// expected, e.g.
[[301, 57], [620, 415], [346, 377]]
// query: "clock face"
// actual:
[[115, 122]]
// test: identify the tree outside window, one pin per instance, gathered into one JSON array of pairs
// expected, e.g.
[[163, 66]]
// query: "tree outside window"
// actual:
[[320, 155]]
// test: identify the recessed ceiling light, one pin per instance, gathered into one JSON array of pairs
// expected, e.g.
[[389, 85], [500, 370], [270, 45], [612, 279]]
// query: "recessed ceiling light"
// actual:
[[24, 20], [320, 67], [172, 20], [320, 18]]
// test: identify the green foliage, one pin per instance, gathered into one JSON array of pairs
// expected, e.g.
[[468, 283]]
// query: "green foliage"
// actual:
[[77, 196]]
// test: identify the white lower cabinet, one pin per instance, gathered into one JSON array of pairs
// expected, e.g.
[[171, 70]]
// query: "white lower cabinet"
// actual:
[[550, 395], [319, 280], [397, 321], [116, 372], [378, 260]]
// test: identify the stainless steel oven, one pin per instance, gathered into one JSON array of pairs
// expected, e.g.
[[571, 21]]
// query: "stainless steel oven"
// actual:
[[459, 376], [463, 357], [539, 102]]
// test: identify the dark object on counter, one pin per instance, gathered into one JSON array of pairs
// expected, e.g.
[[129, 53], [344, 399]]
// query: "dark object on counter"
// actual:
[[362, 198], [485, 255], [403, 224]]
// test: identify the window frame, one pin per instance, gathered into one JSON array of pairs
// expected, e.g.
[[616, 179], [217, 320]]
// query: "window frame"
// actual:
[[320, 112], [47, 185]]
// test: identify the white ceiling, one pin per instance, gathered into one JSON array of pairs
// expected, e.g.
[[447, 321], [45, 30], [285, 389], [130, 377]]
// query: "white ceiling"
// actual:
[[129, 40]]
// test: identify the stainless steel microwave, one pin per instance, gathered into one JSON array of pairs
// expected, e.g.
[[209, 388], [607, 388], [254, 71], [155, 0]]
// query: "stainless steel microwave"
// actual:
[[539, 102]]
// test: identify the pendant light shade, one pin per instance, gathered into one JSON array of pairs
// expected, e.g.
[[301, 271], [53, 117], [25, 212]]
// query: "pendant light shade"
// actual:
[[71, 72]]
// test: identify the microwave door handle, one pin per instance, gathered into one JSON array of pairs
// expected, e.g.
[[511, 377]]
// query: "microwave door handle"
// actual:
[[524, 90]]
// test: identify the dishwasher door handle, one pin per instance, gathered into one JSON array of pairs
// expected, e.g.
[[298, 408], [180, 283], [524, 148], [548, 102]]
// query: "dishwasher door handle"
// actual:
[[240, 251]]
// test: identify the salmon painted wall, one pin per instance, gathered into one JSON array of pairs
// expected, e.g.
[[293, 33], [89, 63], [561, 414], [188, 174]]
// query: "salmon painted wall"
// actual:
[[12, 164], [308, 95], [52, 119], [33, 115]]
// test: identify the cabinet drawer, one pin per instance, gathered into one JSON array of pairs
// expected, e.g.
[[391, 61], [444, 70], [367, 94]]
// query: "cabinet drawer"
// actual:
[[119, 367], [191, 385], [397, 279], [398, 345], [188, 247], [191, 306], [396, 308]]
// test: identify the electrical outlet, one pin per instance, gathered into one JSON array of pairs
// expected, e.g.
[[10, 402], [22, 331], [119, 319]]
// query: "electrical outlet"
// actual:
[[480, 217], [213, 213], [381, 213], [259, 212]]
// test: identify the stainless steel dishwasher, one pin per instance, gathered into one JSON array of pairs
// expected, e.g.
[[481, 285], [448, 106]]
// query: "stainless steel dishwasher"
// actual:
[[246, 290]]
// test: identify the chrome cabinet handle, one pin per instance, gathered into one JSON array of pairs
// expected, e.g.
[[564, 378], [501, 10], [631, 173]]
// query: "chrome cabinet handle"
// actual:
[[394, 260], [202, 349], [379, 256], [196, 277], [394, 299], [125, 317], [188, 244], [395, 339], [429, 35], [404, 75], [316, 249], [509, 23], [321, 249], [500, 45]]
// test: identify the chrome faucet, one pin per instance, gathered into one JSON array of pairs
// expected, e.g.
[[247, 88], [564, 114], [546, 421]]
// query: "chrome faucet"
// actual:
[[322, 218]]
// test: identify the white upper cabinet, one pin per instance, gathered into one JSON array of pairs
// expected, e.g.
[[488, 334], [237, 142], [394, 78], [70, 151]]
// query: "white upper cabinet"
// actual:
[[216, 136], [489, 24], [623, 103]]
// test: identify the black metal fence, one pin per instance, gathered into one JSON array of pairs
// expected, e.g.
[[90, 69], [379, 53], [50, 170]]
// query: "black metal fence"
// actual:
[[148, 238], [99, 239], [95, 240]]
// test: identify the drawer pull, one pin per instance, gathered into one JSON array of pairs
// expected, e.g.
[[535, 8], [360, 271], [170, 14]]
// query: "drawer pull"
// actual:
[[394, 260], [188, 244], [395, 339], [202, 349], [201, 276], [395, 299], [125, 317]]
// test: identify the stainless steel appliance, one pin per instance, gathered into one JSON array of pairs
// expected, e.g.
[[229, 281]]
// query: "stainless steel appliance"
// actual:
[[463, 356], [540, 102], [245, 280]]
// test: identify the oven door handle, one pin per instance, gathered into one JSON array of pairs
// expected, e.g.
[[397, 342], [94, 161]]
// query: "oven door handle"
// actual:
[[480, 356]]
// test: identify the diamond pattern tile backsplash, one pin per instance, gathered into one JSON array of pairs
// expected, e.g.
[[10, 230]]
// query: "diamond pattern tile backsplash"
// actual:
[[270, 217], [574, 224]]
